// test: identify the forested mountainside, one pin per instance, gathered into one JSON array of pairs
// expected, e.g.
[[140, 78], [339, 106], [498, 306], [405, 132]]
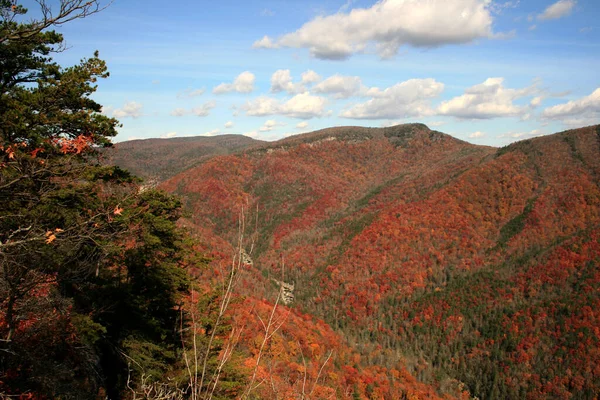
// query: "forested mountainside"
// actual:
[[476, 269], [347, 263], [160, 159]]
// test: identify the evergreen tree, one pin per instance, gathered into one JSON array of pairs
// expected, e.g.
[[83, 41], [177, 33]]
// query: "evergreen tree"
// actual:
[[90, 274]]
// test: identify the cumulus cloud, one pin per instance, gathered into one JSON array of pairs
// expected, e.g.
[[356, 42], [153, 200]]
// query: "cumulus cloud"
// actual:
[[131, 109], [201, 111], [212, 133], [476, 135], [388, 25], [243, 83], [521, 135], [557, 10], [406, 99], [489, 99], [310, 76], [580, 112], [302, 125], [168, 135], [229, 124], [281, 81], [303, 106], [536, 101], [341, 87], [262, 106], [204, 109], [269, 125], [265, 43]]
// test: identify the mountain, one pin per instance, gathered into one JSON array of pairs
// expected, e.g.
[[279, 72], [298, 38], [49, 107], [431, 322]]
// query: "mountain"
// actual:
[[477, 269], [159, 159]]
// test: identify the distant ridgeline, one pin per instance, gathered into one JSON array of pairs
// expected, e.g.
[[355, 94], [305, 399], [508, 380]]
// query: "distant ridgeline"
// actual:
[[160, 159]]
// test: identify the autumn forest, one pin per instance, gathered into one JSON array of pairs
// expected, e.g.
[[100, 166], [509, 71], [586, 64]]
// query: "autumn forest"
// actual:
[[345, 263]]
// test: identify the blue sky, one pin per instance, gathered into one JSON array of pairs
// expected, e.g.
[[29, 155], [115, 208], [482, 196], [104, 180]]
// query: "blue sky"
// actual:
[[489, 72]]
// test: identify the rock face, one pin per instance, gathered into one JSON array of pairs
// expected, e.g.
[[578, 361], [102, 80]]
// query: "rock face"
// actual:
[[287, 291], [246, 260]]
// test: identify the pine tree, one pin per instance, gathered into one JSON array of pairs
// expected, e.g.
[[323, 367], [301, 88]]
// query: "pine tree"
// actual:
[[90, 274]]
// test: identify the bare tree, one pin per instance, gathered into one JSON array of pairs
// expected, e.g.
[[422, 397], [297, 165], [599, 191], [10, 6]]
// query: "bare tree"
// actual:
[[68, 10]]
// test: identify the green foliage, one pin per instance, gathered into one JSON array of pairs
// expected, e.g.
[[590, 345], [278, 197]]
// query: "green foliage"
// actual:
[[515, 225], [525, 146], [92, 277], [89, 331], [570, 140]]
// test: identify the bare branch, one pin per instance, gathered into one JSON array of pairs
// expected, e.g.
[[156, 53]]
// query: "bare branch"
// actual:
[[69, 10], [320, 371]]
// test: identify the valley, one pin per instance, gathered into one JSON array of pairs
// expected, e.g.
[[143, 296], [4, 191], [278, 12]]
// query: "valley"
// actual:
[[421, 264]]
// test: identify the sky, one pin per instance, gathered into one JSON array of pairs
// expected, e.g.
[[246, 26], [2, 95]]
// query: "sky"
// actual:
[[489, 72]]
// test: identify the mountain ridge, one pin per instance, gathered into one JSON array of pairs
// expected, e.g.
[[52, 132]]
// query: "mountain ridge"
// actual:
[[158, 159], [422, 249]]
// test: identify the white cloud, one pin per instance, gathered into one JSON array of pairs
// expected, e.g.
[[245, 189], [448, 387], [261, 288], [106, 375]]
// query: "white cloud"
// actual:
[[341, 87], [533, 27], [521, 135], [212, 133], [536, 101], [389, 24], [179, 112], [264, 43], [436, 123], [201, 111], [303, 106], [302, 125], [557, 10], [476, 135], [267, 12], [498, 8], [168, 135], [580, 112], [252, 134], [229, 124], [269, 125], [489, 99], [190, 93], [262, 106], [310, 76], [281, 81], [243, 83], [586, 29], [131, 109], [407, 99], [204, 109]]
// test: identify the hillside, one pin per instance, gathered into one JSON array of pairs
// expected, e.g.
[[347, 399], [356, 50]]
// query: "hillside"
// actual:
[[470, 265], [160, 159]]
